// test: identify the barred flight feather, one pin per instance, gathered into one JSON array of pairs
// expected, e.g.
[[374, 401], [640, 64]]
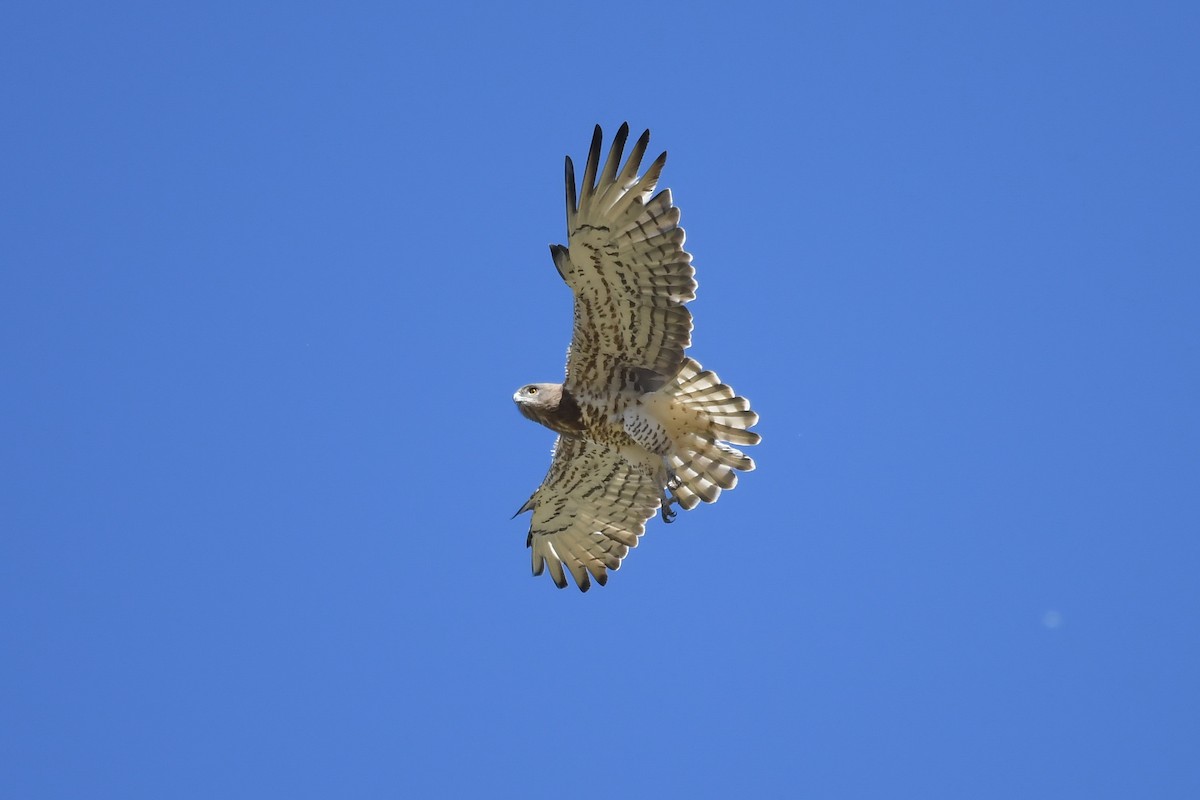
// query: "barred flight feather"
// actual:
[[640, 423]]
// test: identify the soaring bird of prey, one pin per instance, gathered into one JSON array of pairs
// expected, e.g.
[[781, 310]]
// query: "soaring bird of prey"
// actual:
[[640, 425]]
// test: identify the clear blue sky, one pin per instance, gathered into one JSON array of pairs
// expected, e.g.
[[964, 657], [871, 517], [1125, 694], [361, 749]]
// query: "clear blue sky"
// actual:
[[270, 275]]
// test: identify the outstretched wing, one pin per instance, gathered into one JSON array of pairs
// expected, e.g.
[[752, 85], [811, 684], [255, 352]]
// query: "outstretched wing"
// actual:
[[629, 272], [590, 509]]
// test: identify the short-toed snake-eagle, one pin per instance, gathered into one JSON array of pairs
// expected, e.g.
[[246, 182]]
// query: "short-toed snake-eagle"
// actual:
[[640, 425]]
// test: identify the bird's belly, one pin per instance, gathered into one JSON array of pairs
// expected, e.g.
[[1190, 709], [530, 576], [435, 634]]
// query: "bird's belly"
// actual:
[[605, 425], [610, 426]]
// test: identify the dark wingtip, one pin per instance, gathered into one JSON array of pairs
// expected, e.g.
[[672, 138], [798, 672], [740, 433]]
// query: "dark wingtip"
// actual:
[[559, 255], [569, 179], [593, 162], [526, 506]]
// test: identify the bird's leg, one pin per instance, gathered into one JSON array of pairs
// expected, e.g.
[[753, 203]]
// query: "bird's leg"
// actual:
[[668, 515], [673, 480], [672, 483]]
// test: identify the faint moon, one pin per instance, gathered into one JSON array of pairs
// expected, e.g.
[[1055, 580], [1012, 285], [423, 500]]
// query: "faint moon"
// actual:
[[1052, 619]]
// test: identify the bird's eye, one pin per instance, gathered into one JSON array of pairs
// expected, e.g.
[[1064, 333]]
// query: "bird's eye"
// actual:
[[531, 390]]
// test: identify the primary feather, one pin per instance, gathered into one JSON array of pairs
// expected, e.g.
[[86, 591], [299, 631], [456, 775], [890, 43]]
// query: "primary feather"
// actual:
[[641, 426]]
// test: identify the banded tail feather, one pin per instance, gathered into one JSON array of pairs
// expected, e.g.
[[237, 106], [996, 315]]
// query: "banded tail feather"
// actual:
[[703, 458]]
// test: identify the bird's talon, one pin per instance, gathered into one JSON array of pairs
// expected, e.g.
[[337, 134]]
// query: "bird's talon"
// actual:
[[667, 514]]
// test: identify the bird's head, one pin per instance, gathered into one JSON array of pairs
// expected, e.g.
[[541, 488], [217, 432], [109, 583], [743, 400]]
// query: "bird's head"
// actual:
[[551, 405], [538, 401]]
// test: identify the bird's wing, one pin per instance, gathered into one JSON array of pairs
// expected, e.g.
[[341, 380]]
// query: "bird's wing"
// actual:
[[629, 272], [590, 509]]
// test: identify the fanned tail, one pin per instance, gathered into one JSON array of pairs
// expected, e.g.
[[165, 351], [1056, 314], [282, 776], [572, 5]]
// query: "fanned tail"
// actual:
[[706, 415]]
